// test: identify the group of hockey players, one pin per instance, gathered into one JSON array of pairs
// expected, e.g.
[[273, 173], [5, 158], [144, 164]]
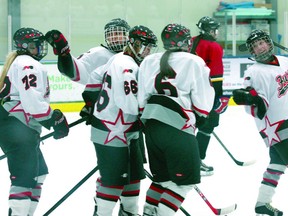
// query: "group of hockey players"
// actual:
[[131, 90]]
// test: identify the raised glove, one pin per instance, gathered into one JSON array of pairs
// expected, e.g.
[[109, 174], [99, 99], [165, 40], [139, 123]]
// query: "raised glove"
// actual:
[[59, 43], [246, 96], [221, 104], [60, 125]]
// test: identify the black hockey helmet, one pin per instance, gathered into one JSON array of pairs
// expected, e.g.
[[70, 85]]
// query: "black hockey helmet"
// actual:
[[257, 35], [116, 34], [176, 37], [206, 24], [144, 40], [27, 39]]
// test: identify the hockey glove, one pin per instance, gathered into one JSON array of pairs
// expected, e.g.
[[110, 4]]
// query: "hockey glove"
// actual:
[[246, 96], [221, 104], [60, 125], [90, 98], [87, 112], [59, 43], [250, 97]]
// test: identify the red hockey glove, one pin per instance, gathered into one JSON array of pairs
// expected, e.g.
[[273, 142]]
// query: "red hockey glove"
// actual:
[[221, 104], [59, 43], [60, 126]]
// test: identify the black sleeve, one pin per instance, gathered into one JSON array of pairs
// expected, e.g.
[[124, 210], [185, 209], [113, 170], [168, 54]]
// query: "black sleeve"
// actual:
[[66, 66]]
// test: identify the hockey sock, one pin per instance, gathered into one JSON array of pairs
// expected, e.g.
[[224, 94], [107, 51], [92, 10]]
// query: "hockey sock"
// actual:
[[106, 198], [203, 142], [19, 200], [153, 196], [36, 194], [270, 181], [130, 196], [172, 198]]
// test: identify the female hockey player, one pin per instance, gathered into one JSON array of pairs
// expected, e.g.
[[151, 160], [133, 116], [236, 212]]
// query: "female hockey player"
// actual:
[[174, 90], [24, 109], [266, 97], [115, 125], [205, 46]]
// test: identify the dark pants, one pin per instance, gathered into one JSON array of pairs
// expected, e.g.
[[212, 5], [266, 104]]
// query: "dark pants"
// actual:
[[173, 154], [21, 145]]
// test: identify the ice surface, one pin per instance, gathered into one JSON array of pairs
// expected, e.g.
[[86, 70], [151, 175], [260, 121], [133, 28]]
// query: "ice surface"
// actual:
[[71, 158]]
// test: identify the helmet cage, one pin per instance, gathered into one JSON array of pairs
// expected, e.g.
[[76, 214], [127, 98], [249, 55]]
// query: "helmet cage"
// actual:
[[253, 41], [26, 40], [116, 38]]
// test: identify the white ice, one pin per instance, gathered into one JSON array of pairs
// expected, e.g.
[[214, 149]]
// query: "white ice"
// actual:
[[71, 158]]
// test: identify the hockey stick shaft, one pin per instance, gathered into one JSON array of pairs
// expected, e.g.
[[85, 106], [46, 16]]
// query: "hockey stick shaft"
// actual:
[[71, 191], [70, 125], [151, 178], [52, 133], [239, 163], [216, 211]]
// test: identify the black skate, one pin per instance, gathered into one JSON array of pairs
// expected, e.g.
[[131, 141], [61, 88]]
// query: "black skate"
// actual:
[[206, 170], [267, 209]]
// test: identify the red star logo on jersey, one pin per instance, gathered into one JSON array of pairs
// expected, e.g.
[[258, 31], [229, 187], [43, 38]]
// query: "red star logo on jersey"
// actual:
[[189, 123], [270, 131], [17, 109], [117, 129]]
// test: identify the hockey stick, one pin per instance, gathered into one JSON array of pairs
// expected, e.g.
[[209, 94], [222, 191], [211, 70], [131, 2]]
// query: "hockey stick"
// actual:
[[151, 178], [243, 47], [217, 211], [71, 191], [52, 133], [239, 163], [69, 125]]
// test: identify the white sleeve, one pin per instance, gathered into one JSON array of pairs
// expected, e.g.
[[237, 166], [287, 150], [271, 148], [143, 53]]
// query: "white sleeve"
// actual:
[[202, 94], [125, 89]]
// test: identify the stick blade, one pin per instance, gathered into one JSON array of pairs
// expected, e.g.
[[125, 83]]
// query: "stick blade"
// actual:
[[244, 163], [248, 163], [227, 210]]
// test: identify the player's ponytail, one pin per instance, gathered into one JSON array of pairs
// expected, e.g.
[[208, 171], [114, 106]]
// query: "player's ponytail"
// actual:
[[9, 59], [165, 69]]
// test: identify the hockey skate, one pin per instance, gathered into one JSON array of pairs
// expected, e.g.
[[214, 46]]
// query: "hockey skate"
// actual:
[[122, 212], [267, 209], [206, 170], [148, 211]]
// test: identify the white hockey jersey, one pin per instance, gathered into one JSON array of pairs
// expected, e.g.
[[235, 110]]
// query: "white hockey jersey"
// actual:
[[29, 92], [86, 63], [191, 89], [271, 83], [116, 109]]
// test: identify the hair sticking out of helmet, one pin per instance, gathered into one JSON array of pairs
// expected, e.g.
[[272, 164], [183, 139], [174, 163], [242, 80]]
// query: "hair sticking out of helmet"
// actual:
[[176, 37], [206, 24], [30, 41], [142, 42], [116, 34], [260, 45]]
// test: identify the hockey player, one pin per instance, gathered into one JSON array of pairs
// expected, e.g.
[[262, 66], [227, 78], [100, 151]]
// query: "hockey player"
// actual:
[[24, 109], [79, 69], [115, 125], [205, 46], [174, 91], [266, 99]]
